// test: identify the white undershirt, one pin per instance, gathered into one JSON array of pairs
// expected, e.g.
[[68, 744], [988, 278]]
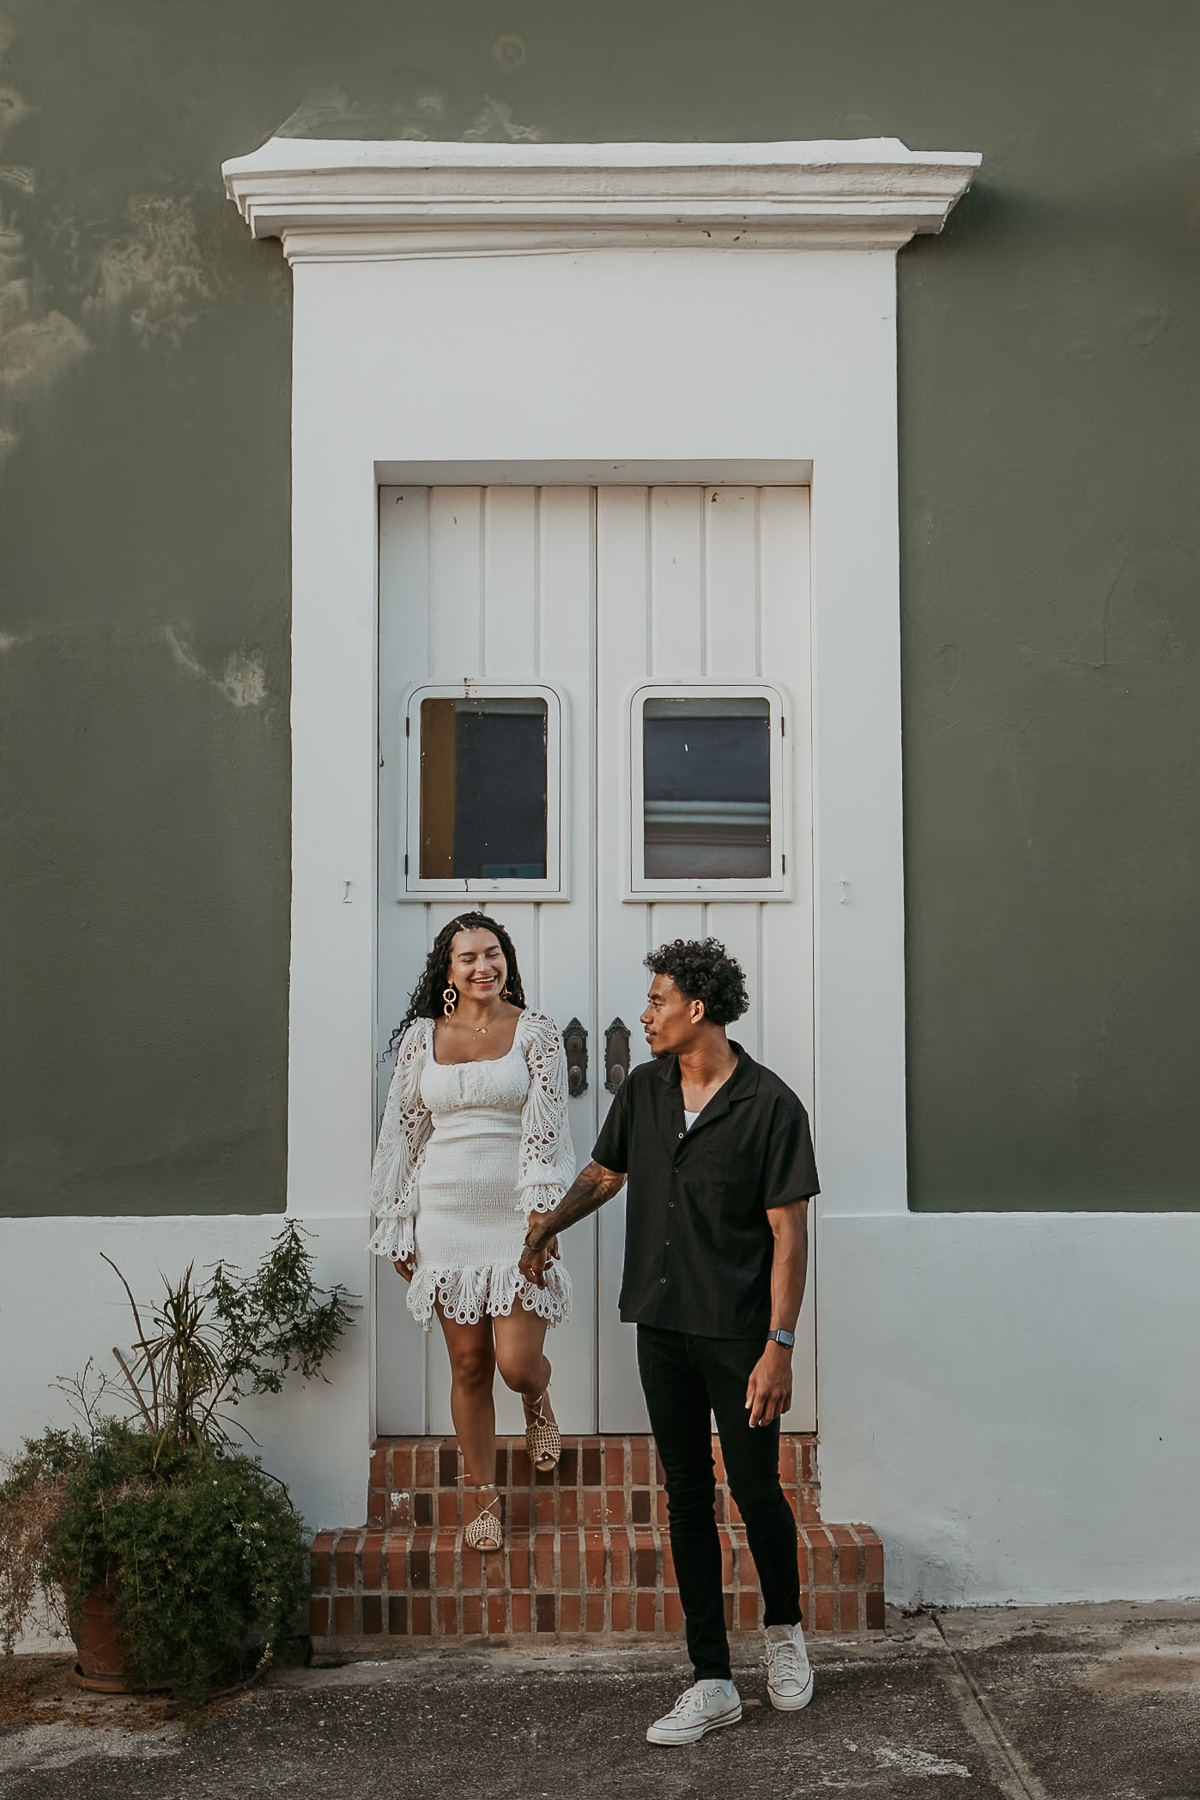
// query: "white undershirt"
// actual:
[[689, 1119]]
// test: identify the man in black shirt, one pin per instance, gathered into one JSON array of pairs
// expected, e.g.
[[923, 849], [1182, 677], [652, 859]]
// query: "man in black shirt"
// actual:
[[720, 1164]]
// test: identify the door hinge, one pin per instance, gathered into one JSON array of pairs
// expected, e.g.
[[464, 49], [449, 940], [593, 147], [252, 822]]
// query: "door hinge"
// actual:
[[406, 862], [782, 725], [407, 725], [784, 860]]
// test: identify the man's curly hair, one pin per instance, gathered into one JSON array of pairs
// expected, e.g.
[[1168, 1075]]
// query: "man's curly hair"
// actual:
[[702, 969]]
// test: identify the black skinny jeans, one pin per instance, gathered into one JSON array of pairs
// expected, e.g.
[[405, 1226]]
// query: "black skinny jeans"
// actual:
[[684, 1379]]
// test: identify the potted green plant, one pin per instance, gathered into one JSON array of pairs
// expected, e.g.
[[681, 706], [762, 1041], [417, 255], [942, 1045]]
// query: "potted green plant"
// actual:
[[171, 1556]]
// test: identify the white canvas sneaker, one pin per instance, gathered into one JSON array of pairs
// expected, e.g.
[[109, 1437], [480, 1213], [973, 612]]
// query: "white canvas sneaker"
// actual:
[[704, 1707], [789, 1673]]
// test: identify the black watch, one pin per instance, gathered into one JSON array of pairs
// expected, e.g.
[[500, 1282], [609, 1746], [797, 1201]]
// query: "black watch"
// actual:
[[786, 1338]]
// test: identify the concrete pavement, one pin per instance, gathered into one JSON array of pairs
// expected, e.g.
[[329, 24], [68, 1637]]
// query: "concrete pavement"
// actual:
[[1059, 1703]]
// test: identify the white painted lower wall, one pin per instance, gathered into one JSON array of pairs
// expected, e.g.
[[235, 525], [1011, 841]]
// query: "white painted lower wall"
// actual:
[[1013, 1401]]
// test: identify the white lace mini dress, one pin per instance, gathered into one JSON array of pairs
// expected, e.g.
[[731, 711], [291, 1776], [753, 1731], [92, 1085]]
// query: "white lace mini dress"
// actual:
[[467, 1151]]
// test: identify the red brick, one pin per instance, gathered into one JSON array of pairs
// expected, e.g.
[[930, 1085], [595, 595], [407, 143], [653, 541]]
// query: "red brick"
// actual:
[[822, 1556], [521, 1470], [672, 1612], [502, 1472], [376, 1507], [787, 1459], [447, 1615], [497, 1623], [543, 1507], [543, 1559], [520, 1509], [568, 1466], [614, 1506], [593, 1506], [718, 1459], [396, 1558], [397, 1615], [322, 1545], [640, 1462], [590, 1464], [620, 1611], [646, 1603], [377, 1475], [614, 1465], [639, 1506], [726, 1559], [873, 1559], [848, 1610], [343, 1615], [345, 1559], [875, 1612], [522, 1613], [447, 1465], [447, 1510], [645, 1565], [425, 1467], [727, 1605], [472, 1615], [568, 1506], [419, 1561], [668, 1564], [372, 1560], [372, 1614], [318, 1617], [594, 1613], [620, 1572], [518, 1563], [823, 1613], [747, 1611], [546, 1613], [660, 1506], [568, 1561]]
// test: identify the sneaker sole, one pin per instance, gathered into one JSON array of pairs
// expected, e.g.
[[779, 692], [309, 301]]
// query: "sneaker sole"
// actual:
[[791, 1702], [696, 1733]]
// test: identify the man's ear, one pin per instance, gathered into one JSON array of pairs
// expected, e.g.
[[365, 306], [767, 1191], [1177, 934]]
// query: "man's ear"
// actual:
[[697, 1011]]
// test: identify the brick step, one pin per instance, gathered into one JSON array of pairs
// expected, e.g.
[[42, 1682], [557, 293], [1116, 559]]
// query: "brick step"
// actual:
[[586, 1550], [614, 1480], [613, 1581]]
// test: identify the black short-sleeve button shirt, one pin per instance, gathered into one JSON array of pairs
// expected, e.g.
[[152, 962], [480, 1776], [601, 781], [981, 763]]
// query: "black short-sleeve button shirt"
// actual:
[[698, 1243]]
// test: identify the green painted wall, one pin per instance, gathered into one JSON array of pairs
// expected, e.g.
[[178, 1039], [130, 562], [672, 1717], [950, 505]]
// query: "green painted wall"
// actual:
[[1051, 522]]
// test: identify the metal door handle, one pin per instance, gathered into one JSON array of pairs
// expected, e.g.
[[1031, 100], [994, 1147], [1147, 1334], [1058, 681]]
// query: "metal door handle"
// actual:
[[575, 1044], [616, 1055]]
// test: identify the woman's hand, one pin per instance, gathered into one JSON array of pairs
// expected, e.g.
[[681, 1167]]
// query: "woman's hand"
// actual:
[[405, 1267], [537, 1253]]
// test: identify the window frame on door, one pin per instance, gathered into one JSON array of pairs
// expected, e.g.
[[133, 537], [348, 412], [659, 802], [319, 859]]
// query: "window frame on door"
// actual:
[[777, 885], [555, 884]]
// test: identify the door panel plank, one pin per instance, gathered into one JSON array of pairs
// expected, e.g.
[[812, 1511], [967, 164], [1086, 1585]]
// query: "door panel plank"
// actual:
[[456, 582], [510, 612], [731, 583], [676, 584]]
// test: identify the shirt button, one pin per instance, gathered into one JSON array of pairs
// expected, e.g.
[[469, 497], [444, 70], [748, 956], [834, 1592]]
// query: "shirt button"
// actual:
[[662, 1281], [670, 1203], [668, 1240], [681, 1134]]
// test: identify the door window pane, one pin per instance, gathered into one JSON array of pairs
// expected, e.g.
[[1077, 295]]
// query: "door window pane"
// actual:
[[706, 784], [483, 789]]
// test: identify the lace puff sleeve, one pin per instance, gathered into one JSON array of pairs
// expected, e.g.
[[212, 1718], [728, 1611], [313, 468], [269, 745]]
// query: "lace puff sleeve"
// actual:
[[403, 1136], [547, 1165]]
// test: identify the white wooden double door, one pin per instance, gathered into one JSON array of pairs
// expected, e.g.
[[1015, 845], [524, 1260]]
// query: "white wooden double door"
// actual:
[[630, 667]]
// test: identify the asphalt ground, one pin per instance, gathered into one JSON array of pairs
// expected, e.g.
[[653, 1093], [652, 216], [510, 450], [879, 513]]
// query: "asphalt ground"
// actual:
[[1095, 1702]]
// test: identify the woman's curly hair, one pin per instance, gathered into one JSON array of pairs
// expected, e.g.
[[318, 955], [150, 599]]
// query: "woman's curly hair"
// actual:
[[702, 969], [425, 1001]]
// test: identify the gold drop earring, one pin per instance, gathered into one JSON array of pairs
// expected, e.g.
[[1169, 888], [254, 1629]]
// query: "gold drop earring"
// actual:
[[449, 1001]]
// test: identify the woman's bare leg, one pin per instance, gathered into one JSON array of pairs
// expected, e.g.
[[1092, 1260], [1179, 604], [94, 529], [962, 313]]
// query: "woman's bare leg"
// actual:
[[472, 1401], [520, 1357]]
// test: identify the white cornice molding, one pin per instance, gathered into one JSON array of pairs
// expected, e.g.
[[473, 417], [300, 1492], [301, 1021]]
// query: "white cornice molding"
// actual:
[[334, 199]]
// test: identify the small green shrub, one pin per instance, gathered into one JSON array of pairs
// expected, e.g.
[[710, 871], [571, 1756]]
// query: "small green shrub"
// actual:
[[200, 1549]]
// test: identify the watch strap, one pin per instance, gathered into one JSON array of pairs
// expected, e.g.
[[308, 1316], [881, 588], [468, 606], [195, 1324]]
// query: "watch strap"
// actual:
[[786, 1338]]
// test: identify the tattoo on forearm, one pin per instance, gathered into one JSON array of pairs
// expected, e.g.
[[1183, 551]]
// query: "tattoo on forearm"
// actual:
[[586, 1194]]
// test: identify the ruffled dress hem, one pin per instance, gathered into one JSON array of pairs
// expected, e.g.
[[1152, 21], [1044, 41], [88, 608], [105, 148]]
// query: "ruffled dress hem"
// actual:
[[467, 1295]]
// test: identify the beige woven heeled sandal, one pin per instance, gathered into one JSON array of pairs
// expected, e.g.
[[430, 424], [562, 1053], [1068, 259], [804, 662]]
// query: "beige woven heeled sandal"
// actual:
[[484, 1532], [542, 1441]]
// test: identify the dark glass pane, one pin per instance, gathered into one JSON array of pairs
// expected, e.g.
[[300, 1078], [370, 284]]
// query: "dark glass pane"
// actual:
[[706, 787], [483, 789]]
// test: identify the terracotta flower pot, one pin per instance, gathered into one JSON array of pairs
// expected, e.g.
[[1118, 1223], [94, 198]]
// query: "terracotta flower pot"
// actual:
[[101, 1665]]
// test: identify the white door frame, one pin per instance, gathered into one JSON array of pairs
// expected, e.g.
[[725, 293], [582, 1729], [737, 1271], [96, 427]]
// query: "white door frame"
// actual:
[[596, 313]]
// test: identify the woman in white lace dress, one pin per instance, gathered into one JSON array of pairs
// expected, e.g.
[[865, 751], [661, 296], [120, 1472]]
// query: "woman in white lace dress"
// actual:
[[474, 1141]]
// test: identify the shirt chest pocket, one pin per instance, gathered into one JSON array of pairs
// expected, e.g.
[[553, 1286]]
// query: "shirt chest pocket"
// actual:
[[725, 1183]]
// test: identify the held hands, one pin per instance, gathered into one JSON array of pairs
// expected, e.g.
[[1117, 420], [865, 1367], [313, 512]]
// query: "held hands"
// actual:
[[536, 1254], [405, 1267], [769, 1390]]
